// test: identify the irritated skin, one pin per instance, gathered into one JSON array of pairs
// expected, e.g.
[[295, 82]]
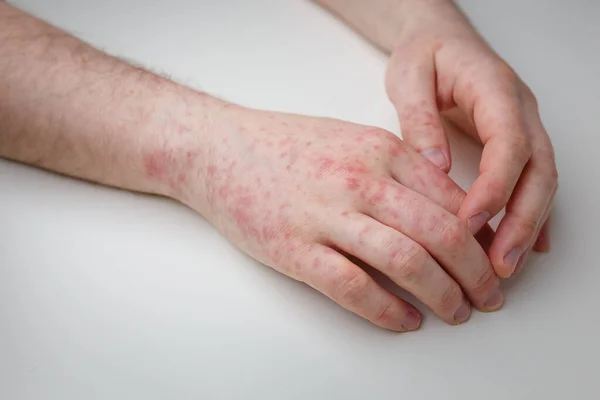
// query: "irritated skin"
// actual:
[[439, 64], [297, 193]]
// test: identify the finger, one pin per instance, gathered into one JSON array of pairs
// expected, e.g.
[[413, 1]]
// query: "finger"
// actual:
[[523, 258], [411, 88], [500, 123], [417, 173], [442, 234], [542, 243], [404, 261], [460, 121], [524, 217], [414, 172], [344, 282]]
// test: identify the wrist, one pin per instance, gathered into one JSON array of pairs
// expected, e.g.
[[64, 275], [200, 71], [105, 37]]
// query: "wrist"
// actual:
[[180, 136]]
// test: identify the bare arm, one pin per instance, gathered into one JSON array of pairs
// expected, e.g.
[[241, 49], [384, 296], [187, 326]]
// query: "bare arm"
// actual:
[[381, 21], [70, 108], [291, 191]]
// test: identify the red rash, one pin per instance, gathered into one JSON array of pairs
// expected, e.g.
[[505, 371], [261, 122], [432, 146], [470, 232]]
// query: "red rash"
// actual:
[[156, 163], [352, 183]]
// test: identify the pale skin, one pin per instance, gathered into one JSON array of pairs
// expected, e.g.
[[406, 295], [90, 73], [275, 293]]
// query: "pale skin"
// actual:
[[303, 195]]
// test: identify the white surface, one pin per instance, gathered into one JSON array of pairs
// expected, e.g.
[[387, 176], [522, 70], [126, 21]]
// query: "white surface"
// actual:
[[108, 294]]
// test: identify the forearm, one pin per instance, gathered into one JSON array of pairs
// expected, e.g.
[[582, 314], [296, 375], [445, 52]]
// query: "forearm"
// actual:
[[383, 21], [70, 108]]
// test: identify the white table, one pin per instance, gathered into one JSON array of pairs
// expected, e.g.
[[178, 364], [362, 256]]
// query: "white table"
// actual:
[[113, 295]]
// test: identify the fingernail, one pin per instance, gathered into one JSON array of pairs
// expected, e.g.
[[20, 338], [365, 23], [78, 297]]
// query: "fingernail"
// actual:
[[494, 301], [411, 321], [462, 313], [511, 259], [477, 221], [436, 156]]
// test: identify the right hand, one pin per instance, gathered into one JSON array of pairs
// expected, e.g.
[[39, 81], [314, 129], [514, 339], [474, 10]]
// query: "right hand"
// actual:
[[300, 194]]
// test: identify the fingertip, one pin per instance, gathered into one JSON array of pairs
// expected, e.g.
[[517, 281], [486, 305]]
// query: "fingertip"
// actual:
[[462, 314], [542, 243], [412, 320]]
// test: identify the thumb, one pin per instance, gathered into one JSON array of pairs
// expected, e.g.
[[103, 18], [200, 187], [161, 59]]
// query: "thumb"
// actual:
[[412, 90]]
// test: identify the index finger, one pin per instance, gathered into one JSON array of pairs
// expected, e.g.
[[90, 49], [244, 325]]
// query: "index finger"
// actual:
[[504, 133]]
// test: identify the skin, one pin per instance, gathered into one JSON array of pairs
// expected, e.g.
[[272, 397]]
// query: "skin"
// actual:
[[306, 196], [438, 66]]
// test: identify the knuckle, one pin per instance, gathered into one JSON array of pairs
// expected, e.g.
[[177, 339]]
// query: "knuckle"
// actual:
[[506, 74], [406, 263], [484, 283], [528, 224], [380, 136], [529, 97], [352, 288], [449, 299], [454, 233]]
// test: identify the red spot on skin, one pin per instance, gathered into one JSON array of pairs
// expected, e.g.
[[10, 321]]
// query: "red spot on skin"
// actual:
[[325, 166], [191, 156], [345, 214], [352, 183], [224, 192], [287, 236], [298, 187], [224, 140], [289, 167], [354, 167], [316, 263], [376, 197], [437, 47], [392, 254], [181, 129], [328, 166], [376, 147], [394, 214], [359, 139], [282, 154], [182, 177], [394, 150], [363, 233], [157, 163], [212, 170], [268, 234]]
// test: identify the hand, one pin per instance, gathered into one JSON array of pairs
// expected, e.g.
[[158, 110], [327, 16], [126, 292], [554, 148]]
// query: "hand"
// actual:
[[440, 63], [301, 194]]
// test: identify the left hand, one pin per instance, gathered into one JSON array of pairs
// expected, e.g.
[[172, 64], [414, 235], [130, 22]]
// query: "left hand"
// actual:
[[440, 64]]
